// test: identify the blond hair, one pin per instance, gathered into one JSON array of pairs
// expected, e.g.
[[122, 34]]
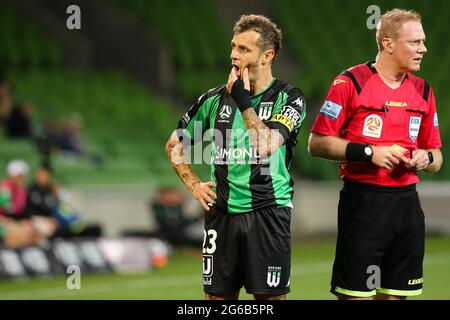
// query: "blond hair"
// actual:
[[391, 23]]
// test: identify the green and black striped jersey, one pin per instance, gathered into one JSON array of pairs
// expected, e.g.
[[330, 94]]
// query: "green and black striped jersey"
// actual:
[[245, 180]]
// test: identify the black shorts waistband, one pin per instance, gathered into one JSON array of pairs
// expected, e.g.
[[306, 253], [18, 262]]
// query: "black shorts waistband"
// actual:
[[357, 186], [223, 210]]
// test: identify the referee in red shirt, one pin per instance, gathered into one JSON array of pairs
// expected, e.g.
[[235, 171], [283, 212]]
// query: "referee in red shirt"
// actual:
[[380, 122]]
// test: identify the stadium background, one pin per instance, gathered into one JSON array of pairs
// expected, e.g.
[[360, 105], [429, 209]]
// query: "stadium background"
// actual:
[[136, 66]]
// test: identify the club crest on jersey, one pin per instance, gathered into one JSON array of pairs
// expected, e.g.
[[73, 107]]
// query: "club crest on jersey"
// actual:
[[414, 127], [265, 110], [373, 124]]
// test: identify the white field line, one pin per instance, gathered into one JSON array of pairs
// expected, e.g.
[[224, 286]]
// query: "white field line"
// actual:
[[174, 281]]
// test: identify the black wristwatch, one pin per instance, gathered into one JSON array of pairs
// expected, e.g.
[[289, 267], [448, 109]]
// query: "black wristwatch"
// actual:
[[430, 157], [358, 152], [368, 153]]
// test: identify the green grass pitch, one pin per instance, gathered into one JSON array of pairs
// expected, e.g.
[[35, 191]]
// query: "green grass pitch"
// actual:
[[181, 278]]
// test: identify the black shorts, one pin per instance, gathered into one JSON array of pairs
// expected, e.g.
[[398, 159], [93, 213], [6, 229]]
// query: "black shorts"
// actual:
[[380, 244], [251, 250]]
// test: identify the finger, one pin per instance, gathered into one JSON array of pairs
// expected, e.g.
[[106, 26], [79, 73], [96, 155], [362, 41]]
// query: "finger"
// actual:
[[211, 184], [212, 193], [393, 160], [397, 154], [231, 79], [203, 203], [413, 162], [229, 82], [424, 164], [404, 159], [389, 165], [233, 74], [420, 165], [408, 165], [208, 199], [246, 79], [419, 156]]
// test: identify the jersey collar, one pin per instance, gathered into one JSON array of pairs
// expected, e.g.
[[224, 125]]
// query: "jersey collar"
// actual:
[[370, 64], [264, 91]]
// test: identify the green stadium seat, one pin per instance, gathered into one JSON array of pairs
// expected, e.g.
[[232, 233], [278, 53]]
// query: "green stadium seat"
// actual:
[[122, 122]]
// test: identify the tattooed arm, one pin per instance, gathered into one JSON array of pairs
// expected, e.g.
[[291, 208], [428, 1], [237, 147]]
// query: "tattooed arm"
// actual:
[[265, 139], [201, 191]]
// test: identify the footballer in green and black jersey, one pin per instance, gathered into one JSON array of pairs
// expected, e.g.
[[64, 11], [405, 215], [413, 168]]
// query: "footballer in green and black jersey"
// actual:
[[245, 180]]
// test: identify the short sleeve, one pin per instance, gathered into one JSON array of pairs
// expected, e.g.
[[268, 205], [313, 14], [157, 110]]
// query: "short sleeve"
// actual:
[[195, 121], [288, 116], [429, 134], [335, 109]]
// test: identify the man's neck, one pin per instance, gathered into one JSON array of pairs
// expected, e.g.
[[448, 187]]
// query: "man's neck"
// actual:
[[261, 83], [388, 71]]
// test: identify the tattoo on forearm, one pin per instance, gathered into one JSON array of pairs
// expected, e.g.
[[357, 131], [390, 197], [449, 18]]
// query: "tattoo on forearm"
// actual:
[[252, 121], [181, 166], [191, 186], [265, 139]]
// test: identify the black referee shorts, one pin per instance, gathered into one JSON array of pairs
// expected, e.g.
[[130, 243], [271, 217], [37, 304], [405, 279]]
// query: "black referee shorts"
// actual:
[[251, 250], [380, 244]]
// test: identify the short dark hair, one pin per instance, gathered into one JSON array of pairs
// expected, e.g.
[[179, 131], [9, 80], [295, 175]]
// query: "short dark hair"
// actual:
[[270, 34]]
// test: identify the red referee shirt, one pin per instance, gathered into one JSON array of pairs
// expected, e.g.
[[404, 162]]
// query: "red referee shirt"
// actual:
[[361, 108]]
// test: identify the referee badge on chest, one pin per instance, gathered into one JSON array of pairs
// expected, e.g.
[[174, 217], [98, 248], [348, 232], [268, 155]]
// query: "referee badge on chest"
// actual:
[[414, 127], [373, 124]]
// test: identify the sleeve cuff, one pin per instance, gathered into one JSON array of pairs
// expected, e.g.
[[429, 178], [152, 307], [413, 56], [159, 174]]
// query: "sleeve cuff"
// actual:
[[323, 132], [281, 128], [184, 138]]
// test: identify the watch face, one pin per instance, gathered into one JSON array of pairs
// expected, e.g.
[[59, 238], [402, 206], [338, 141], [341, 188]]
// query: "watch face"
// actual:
[[368, 151]]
